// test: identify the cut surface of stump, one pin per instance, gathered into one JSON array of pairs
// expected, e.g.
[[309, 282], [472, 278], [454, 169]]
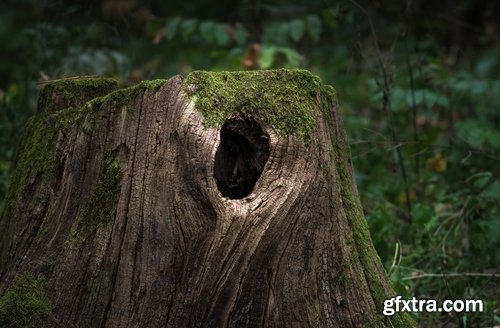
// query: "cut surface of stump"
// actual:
[[225, 199]]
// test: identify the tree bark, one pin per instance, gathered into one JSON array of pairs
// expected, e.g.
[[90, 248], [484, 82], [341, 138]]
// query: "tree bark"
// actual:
[[134, 208]]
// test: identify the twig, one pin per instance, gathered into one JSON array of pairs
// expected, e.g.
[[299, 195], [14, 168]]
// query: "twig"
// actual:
[[386, 92], [409, 20], [457, 274]]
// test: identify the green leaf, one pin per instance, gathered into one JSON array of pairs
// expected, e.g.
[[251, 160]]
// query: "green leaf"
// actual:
[[292, 57], [480, 179], [172, 27], [207, 31], [398, 97], [268, 53], [269, 33], [188, 27], [266, 58], [313, 27], [478, 134], [330, 17], [297, 28], [221, 36], [241, 35], [282, 33], [492, 192], [276, 33]]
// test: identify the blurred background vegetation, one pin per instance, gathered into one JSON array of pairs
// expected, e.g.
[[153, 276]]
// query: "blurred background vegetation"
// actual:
[[418, 83]]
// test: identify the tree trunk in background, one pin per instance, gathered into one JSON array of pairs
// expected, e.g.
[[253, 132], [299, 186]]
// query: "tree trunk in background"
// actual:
[[129, 211]]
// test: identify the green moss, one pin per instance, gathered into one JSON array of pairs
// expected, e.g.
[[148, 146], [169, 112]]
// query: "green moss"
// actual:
[[55, 113], [71, 90], [365, 252], [282, 98], [99, 208], [37, 162], [63, 107], [25, 304], [328, 98], [37, 156], [125, 97]]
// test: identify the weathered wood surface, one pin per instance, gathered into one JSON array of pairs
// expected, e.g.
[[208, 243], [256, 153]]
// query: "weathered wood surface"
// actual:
[[127, 227]]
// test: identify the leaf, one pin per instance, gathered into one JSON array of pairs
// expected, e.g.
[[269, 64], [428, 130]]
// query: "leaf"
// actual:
[[221, 36], [172, 27], [469, 86], [437, 163], [422, 97], [276, 33], [480, 179], [479, 134], [241, 35], [269, 33], [266, 58], [297, 28], [119, 58], [486, 64], [398, 97], [402, 197], [492, 192], [207, 31], [330, 17], [282, 33], [313, 27], [293, 57], [188, 27]]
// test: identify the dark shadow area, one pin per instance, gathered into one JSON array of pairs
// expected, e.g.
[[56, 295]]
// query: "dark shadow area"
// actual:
[[241, 157]]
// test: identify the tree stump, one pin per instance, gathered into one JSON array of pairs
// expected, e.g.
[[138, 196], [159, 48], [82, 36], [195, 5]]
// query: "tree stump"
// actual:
[[220, 200]]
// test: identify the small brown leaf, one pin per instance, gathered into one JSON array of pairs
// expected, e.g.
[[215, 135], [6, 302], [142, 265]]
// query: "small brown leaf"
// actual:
[[437, 163]]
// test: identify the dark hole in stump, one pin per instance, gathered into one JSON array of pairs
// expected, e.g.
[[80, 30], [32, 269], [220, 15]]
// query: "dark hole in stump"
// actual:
[[241, 156]]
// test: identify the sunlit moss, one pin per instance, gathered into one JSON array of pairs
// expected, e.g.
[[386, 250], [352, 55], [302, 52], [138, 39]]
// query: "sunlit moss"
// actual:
[[282, 98], [126, 96]]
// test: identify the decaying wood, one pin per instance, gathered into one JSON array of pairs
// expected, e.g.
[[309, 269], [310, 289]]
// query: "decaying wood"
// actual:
[[174, 251]]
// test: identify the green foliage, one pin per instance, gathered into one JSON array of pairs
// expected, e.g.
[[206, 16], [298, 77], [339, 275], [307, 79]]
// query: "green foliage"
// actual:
[[446, 128], [479, 134], [25, 304]]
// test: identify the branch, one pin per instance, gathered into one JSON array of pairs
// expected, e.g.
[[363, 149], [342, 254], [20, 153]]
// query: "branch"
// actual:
[[458, 274], [386, 91]]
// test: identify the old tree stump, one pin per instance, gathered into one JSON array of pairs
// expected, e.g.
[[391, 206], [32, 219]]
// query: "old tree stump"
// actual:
[[219, 200]]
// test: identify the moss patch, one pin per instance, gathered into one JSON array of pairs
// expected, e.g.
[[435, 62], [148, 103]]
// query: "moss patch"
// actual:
[[37, 162], [126, 96], [25, 303], [56, 114], [71, 90], [365, 252], [99, 208], [282, 98], [58, 108]]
